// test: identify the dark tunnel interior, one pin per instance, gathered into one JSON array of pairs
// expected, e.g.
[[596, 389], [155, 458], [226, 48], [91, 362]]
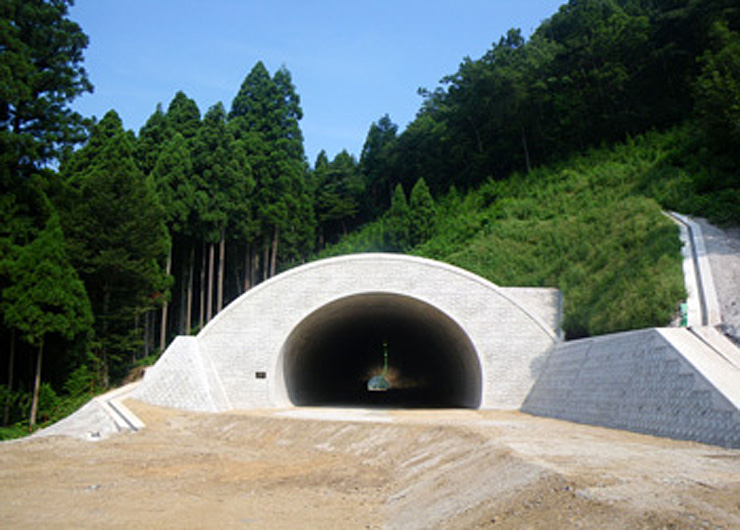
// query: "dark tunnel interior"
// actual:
[[331, 355]]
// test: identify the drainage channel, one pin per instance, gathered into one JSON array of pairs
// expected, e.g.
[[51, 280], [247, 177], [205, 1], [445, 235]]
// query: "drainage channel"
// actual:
[[700, 275], [112, 403]]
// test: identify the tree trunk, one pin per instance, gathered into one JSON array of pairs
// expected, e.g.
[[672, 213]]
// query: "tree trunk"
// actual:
[[137, 325], [189, 296], [273, 258], [238, 278], [209, 299], [11, 369], [36, 387], [221, 265], [202, 300], [182, 306], [147, 333], [165, 307], [477, 135], [266, 262], [104, 352], [145, 336], [247, 268], [526, 150], [255, 265]]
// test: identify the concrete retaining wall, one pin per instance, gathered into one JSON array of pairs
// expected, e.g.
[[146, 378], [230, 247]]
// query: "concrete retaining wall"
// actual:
[[183, 378], [665, 382]]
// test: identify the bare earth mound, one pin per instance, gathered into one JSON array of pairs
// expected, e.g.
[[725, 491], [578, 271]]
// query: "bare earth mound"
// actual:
[[335, 468]]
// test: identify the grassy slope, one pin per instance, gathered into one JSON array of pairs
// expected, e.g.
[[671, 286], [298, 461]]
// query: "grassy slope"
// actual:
[[589, 226], [583, 227]]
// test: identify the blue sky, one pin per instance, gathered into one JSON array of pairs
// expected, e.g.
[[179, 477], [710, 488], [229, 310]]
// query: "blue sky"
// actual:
[[352, 62]]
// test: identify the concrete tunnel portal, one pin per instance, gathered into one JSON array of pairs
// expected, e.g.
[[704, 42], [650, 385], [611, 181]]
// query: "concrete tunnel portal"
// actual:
[[313, 336], [330, 356]]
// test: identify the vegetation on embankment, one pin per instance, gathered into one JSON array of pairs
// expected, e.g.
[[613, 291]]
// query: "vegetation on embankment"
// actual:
[[592, 226]]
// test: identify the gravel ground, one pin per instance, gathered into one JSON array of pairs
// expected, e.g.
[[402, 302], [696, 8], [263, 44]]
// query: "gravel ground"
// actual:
[[723, 247], [409, 469]]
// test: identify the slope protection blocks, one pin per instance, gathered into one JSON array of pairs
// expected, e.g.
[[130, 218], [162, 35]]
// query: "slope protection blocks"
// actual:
[[672, 382]]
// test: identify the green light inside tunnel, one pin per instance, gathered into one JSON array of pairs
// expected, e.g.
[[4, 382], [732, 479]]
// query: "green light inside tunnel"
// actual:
[[335, 357]]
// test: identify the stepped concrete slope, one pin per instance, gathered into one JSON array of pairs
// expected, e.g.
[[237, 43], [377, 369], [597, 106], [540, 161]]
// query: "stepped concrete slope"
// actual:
[[314, 336], [665, 382]]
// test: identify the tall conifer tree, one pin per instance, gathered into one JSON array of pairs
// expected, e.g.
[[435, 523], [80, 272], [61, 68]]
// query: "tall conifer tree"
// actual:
[[41, 73], [153, 137], [226, 178], [264, 117], [183, 116], [176, 186], [45, 297], [375, 164], [339, 191], [422, 213], [118, 239], [397, 221]]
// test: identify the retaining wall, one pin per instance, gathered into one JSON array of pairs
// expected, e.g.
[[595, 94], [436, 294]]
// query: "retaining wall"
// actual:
[[666, 382]]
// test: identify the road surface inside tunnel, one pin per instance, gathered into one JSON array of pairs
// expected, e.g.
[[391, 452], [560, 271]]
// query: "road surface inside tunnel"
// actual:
[[330, 356]]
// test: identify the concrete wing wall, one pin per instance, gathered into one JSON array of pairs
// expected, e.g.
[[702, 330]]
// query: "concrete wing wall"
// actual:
[[665, 382], [182, 378]]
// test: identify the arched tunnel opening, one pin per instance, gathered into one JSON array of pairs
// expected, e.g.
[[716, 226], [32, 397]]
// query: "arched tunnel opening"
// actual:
[[331, 355]]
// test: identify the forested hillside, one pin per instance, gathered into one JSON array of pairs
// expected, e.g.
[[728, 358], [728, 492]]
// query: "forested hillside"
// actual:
[[544, 162], [595, 72]]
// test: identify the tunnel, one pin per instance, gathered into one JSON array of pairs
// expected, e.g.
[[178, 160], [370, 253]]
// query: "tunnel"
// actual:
[[330, 356]]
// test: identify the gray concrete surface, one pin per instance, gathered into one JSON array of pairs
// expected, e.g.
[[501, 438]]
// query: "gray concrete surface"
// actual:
[[101, 417], [665, 382], [723, 253], [239, 360]]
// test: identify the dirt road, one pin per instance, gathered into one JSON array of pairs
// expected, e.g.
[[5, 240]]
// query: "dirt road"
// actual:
[[723, 250], [334, 468]]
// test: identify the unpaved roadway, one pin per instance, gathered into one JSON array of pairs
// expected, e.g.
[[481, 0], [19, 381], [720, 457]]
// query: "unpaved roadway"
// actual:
[[723, 251], [336, 468]]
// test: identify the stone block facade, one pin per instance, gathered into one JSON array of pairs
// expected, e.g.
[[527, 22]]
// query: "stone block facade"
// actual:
[[664, 382]]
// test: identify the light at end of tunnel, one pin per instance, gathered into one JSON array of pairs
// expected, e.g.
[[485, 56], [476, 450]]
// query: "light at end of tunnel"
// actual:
[[395, 378]]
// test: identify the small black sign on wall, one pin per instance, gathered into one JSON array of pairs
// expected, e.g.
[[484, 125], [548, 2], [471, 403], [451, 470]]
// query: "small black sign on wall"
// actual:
[[260, 375]]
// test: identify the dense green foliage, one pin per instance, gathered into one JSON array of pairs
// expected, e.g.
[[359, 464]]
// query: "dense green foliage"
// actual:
[[45, 308], [545, 162], [40, 73], [585, 226], [716, 90], [116, 233], [595, 72], [338, 191], [45, 297]]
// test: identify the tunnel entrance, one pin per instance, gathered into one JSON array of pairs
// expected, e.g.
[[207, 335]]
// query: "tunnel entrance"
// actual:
[[330, 356]]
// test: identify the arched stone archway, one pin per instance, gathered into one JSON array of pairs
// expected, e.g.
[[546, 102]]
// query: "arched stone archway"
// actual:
[[486, 343]]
